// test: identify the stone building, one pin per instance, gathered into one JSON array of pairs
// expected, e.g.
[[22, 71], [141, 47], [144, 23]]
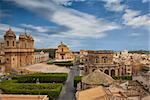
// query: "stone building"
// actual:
[[104, 61], [136, 89], [131, 63], [41, 56], [2, 57], [99, 93], [99, 86], [96, 78], [17, 53], [63, 53]]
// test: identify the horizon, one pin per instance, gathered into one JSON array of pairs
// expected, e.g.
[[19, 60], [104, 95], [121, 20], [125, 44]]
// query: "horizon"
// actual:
[[81, 24]]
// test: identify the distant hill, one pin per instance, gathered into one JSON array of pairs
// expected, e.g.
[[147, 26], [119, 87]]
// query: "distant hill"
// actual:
[[45, 50], [140, 51]]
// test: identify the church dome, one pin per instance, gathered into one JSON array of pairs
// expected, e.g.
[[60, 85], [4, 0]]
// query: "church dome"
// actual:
[[10, 33]]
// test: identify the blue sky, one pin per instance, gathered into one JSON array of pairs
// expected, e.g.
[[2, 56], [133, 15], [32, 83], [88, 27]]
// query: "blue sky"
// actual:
[[82, 24]]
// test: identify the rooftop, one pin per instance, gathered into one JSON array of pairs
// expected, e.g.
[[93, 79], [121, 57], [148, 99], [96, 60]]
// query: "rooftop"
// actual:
[[97, 78], [22, 97], [96, 93]]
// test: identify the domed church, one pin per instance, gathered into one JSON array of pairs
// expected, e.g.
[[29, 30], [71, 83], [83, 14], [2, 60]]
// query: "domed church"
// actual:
[[63, 53]]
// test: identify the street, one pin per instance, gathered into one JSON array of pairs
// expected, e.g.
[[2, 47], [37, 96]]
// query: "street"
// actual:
[[68, 91]]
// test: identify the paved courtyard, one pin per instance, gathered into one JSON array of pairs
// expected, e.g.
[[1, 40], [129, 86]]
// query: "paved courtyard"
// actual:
[[43, 67]]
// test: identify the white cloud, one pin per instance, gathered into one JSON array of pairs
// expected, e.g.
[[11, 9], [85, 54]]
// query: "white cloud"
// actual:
[[39, 29], [133, 18], [78, 23], [41, 39], [114, 5], [5, 27], [135, 34], [66, 2], [145, 1]]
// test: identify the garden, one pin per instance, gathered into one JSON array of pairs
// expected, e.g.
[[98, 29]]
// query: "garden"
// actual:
[[35, 84]]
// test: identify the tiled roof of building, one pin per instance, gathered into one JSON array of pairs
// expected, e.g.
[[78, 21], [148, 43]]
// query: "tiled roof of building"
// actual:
[[97, 93], [97, 78], [23, 97]]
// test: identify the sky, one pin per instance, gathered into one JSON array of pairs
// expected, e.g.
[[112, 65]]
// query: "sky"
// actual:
[[81, 24]]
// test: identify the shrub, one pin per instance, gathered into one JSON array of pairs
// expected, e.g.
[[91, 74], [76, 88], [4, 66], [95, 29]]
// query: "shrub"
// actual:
[[63, 63], [42, 77], [52, 90], [122, 77], [77, 79], [50, 62]]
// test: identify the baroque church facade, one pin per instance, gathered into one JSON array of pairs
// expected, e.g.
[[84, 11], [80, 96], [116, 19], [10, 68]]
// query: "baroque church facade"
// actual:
[[17, 52], [63, 53]]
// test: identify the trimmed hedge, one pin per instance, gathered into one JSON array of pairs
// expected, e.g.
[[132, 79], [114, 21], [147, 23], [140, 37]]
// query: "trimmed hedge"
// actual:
[[42, 77], [52, 90], [122, 77], [77, 79], [64, 64], [61, 63], [50, 62]]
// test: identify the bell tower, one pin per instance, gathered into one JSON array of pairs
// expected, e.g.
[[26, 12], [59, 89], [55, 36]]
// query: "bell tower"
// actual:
[[10, 50], [10, 39]]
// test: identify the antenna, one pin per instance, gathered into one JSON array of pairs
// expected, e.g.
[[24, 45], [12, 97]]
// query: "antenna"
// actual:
[[25, 31]]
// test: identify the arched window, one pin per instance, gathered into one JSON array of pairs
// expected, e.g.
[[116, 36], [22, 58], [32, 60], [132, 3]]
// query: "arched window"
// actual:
[[13, 43], [96, 60], [104, 59], [93, 70], [106, 72], [112, 72], [62, 49], [7, 43]]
